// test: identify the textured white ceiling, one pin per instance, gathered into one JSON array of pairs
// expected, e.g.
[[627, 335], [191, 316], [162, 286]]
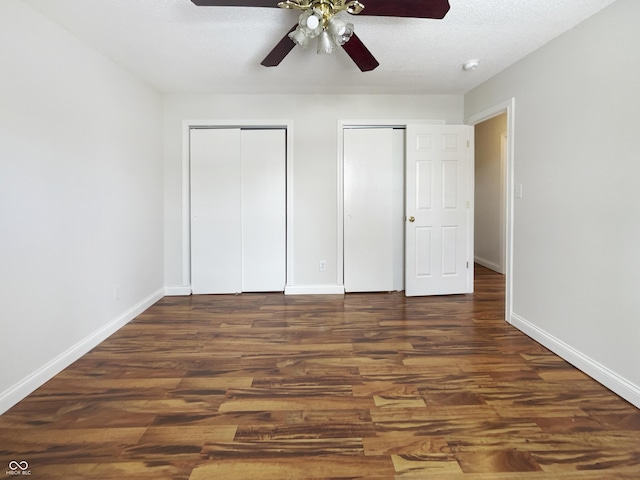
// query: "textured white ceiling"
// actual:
[[180, 48]]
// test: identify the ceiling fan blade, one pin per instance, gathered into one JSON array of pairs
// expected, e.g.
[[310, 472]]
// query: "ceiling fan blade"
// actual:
[[406, 8], [280, 51], [236, 3], [360, 54]]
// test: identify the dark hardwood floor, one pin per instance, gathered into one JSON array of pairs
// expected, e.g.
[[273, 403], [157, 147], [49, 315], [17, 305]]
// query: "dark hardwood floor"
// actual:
[[366, 386]]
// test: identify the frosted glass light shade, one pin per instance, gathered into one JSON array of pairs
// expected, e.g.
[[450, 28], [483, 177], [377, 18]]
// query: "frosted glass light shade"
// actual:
[[310, 22], [340, 30], [325, 43], [299, 38]]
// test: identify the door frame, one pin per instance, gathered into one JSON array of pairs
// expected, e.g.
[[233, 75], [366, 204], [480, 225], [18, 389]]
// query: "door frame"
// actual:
[[504, 154], [342, 125], [508, 107], [187, 125]]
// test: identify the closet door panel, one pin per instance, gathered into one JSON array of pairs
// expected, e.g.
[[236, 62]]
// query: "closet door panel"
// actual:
[[216, 211], [368, 210], [263, 210]]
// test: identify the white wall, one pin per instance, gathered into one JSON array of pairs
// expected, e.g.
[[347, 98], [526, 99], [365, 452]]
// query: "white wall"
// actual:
[[576, 264], [81, 200], [315, 157], [488, 228]]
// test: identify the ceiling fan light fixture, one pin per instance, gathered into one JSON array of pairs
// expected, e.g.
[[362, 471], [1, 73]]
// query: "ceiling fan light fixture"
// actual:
[[299, 38], [331, 30], [311, 23], [337, 26], [325, 43], [340, 30]]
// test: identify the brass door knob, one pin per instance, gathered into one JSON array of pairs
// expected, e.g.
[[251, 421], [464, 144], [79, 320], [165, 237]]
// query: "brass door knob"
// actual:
[[412, 219]]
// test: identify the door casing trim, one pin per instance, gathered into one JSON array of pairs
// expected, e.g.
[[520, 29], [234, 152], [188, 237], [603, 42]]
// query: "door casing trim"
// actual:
[[508, 107]]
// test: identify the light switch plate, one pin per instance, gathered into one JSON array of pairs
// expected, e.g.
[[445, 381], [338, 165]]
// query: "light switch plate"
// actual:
[[518, 190]]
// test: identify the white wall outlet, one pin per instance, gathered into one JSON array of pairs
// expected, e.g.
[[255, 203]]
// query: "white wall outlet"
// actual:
[[322, 265], [116, 293]]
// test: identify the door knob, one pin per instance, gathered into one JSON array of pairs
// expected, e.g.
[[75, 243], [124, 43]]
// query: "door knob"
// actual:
[[412, 219]]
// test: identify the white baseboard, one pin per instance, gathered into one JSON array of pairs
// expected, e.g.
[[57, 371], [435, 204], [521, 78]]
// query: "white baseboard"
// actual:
[[488, 264], [289, 290], [314, 290], [20, 390], [595, 370], [177, 291]]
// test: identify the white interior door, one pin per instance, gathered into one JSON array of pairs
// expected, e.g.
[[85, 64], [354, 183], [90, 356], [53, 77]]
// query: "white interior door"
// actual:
[[238, 229], [263, 210], [216, 213], [439, 240]]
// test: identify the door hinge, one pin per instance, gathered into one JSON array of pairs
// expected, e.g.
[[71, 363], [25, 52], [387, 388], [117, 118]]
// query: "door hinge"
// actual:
[[468, 143], [467, 265], [467, 203]]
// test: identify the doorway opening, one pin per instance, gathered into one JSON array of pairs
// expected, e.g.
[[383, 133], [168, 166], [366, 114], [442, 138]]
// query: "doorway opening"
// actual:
[[490, 192], [505, 112]]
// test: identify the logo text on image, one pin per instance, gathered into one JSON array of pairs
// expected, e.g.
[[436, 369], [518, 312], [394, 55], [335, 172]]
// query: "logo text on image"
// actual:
[[18, 468]]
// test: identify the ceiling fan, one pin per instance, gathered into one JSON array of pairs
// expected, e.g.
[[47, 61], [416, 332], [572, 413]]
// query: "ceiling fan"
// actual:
[[318, 19]]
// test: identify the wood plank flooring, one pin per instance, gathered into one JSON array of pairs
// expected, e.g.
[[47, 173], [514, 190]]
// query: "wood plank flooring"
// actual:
[[366, 386]]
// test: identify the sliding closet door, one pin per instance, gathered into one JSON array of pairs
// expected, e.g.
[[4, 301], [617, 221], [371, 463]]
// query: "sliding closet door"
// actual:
[[263, 210], [238, 210], [368, 210], [216, 211]]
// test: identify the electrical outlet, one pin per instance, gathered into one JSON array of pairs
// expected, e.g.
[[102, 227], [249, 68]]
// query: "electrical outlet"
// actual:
[[323, 265], [116, 293]]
